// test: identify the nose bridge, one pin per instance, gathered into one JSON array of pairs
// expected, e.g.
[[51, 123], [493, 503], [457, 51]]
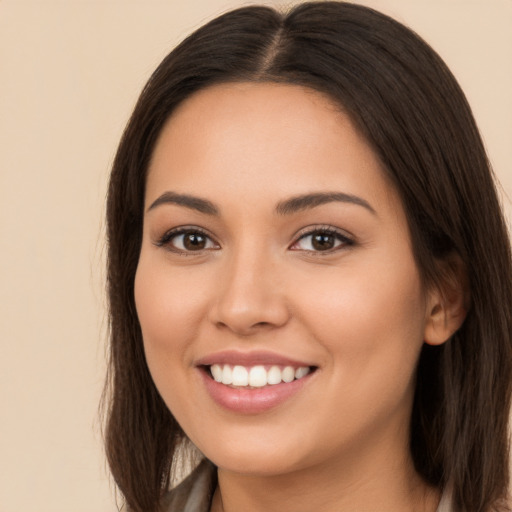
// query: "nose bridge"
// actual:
[[250, 296]]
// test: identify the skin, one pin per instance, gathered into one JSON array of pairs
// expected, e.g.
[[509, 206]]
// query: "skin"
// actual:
[[358, 312]]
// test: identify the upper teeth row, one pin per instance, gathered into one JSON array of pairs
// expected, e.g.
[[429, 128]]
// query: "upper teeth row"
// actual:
[[256, 376]]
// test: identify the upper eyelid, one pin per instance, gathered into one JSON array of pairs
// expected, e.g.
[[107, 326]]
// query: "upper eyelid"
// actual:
[[302, 233], [180, 230], [309, 230], [347, 240]]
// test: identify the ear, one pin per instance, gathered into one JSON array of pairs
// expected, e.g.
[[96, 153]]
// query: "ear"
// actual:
[[447, 302]]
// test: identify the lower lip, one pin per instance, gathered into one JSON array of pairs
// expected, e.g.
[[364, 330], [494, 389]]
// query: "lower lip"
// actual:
[[252, 401]]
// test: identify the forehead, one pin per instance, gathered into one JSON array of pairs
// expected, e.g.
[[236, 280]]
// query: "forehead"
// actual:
[[263, 140]]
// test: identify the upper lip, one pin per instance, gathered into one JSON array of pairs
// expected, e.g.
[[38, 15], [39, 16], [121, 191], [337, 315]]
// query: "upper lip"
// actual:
[[254, 358]]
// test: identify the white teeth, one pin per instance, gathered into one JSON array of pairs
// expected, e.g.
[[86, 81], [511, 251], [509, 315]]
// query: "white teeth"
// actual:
[[216, 370], [274, 375], [227, 375], [301, 372], [288, 374], [240, 376], [256, 376]]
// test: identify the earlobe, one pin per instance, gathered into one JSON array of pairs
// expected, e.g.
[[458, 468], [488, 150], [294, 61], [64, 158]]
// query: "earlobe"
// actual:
[[447, 303]]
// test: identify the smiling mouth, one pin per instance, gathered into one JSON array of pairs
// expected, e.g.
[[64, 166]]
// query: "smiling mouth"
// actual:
[[255, 377]]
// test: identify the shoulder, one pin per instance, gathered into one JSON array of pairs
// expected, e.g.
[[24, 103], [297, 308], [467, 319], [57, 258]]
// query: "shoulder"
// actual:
[[195, 492]]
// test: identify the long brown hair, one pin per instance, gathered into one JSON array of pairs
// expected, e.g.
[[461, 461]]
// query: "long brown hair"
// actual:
[[412, 112]]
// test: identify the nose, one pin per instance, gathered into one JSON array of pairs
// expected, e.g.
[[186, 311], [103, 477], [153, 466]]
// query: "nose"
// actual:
[[251, 296]]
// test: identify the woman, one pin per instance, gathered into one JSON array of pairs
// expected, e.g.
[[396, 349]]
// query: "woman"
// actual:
[[309, 275]]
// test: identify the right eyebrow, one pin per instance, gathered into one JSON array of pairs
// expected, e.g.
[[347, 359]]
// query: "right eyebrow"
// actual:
[[192, 202], [307, 201]]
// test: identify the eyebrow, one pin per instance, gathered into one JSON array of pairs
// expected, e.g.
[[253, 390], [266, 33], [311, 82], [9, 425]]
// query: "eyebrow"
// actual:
[[307, 201], [191, 202], [287, 207]]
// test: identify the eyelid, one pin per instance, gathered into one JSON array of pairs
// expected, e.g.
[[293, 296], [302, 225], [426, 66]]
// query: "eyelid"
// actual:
[[346, 238], [165, 239]]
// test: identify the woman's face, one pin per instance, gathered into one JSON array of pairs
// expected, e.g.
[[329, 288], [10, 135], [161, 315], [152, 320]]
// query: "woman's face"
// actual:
[[275, 247]]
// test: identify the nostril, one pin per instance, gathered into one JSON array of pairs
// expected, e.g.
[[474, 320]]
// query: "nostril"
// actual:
[[262, 324], [243, 329]]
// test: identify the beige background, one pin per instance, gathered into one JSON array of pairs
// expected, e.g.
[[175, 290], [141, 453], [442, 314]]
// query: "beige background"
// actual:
[[70, 72]]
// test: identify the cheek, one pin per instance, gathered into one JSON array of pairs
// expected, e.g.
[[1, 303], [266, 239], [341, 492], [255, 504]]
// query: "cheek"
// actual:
[[371, 322], [170, 307], [370, 325]]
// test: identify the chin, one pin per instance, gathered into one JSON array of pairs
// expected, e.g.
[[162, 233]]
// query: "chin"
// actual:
[[257, 457], [264, 466]]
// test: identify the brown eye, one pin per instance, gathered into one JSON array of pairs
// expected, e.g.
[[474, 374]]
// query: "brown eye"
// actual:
[[194, 241], [187, 240], [322, 240]]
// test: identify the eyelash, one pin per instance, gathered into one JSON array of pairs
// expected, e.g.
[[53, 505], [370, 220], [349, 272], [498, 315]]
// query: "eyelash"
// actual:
[[165, 240], [345, 241]]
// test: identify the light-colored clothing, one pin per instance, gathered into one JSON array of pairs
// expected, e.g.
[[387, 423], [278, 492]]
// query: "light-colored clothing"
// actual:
[[195, 493], [445, 505]]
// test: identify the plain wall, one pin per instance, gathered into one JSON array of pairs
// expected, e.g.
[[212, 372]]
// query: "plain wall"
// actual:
[[70, 72]]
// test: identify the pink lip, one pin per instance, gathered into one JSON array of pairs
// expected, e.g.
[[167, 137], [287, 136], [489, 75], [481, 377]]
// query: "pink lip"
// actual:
[[234, 357], [252, 401], [256, 400]]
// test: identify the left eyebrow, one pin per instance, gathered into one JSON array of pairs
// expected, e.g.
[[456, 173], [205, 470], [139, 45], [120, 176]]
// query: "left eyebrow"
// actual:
[[192, 202], [307, 201]]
